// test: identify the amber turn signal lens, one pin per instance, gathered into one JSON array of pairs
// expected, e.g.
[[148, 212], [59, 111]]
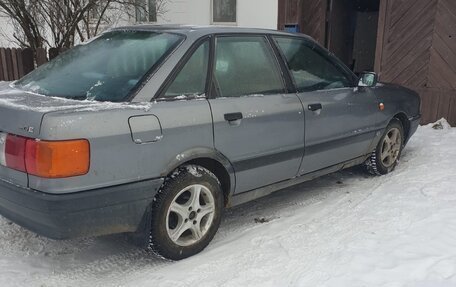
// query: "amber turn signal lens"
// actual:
[[57, 159]]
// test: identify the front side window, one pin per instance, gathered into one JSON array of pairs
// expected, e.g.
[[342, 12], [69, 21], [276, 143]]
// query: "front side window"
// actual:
[[246, 66], [311, 70], [224, 11], [191, 80], [105, 69]]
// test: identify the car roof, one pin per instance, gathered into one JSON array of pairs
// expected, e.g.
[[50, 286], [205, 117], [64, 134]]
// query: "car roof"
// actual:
[[204, 30]]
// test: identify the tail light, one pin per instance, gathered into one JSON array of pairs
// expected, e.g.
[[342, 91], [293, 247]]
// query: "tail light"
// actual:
[[2, 149], [48, 159]]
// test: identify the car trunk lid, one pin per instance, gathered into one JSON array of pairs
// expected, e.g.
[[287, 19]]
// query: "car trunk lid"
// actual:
[[21, 114]]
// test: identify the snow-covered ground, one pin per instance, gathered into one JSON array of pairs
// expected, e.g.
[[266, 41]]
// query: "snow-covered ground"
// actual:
[[345, 229]]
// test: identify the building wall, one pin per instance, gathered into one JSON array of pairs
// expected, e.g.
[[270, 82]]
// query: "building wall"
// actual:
[[258, 13], [250, 13]]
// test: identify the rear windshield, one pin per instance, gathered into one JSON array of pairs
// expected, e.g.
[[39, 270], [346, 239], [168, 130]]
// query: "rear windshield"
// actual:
[[105, 69]]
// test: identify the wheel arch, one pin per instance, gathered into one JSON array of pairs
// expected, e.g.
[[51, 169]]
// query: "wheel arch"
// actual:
[[212, 160], [402, 117]]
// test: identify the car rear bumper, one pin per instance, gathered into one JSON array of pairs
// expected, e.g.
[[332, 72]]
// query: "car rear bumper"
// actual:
[[101, 211]]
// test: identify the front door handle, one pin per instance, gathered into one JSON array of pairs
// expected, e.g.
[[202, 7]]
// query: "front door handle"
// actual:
[[315, 107], [233, 117]]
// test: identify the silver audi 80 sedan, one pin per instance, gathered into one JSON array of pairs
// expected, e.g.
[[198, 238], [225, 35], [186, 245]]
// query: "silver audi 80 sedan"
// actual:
[[155, 130]]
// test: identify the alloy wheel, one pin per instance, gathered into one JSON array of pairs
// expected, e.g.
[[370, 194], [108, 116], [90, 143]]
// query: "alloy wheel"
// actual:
[[190, 215], [391, 147]]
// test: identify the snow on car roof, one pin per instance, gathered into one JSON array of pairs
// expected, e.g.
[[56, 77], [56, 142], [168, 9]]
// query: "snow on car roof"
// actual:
[[209, 29]]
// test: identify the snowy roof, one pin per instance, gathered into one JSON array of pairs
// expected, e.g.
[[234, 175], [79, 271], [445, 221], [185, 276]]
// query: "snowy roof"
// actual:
[[210, 29]]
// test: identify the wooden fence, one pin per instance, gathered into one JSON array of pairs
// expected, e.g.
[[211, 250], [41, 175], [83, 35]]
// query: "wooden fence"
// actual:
[[17, 62]]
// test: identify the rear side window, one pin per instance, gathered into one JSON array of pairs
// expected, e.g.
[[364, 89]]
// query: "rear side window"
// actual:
[[105, 69], [246, 65], [310, 69], [191, 80]]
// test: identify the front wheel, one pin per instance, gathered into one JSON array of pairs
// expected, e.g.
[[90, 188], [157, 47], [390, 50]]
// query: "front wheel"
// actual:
[[186, 213], [386, 156]]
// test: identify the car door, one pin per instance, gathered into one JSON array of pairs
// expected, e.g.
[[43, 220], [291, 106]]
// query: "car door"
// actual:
[[339, 116], [182, 110], [258, 125]]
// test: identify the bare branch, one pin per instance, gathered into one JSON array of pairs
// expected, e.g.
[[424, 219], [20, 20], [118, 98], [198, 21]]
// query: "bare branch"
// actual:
[[59, 23]]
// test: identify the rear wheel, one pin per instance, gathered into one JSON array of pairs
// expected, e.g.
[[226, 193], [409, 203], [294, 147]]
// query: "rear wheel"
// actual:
[[186, 213], [386, 156]]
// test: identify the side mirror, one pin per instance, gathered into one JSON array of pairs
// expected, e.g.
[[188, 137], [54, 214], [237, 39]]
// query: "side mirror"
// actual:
[[368, 79]]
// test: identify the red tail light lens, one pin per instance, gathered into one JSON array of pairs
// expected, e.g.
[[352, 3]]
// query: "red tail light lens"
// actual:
[[48, 159], [14, 152]]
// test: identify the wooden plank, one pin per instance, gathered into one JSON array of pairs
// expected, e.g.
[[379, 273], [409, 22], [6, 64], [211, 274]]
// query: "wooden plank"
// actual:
[[425, 102], [41, 57], [380, 37], [313, 19], [452, 110], [415, 75], [408, 23], [441, 71], [2, 78], [28, 60], [409, 37], [281, 14], [9, 64], [430, 106], [293, 11], [420, 79], [412, 45], [400, 10], [444, 31], [4, 64], [437, 104], [20, 63], [14, 62], [448, 55], [449, 5], [443, 110], [53, 52], [392, 70]]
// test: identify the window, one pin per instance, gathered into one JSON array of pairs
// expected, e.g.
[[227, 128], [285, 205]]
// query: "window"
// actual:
[[224, 11], [191, 80], [146, 10], [106, 69], [246, 66], [310, 69]]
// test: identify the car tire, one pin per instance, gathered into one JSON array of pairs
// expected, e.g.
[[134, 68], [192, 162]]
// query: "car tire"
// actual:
[[186, 213], [386, 155]]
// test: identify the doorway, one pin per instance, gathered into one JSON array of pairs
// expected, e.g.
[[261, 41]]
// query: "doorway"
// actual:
[[351, 32]]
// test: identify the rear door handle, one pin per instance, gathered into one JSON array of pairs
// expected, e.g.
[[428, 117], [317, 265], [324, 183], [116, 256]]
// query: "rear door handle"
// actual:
[[315, 107], [233, 117]]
